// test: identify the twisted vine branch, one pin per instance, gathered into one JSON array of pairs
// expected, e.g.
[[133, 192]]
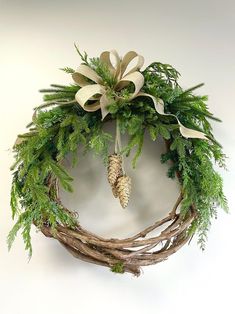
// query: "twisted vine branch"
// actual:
[[132, 252]]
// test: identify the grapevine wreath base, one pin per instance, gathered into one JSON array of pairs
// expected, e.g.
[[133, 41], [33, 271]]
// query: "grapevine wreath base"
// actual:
[[129, 254], [71, 119]]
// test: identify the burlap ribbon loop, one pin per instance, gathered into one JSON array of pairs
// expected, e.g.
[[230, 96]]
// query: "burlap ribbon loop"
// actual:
[[94, 89]]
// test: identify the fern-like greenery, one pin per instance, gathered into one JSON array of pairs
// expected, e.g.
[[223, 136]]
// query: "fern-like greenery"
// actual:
[[60, 126]]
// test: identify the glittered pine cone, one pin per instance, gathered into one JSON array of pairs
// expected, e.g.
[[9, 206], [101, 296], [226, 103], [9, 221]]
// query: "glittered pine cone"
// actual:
[[124, 189], [114, 169]]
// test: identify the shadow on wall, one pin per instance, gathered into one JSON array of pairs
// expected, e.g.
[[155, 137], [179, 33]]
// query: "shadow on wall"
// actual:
[[153, 194]]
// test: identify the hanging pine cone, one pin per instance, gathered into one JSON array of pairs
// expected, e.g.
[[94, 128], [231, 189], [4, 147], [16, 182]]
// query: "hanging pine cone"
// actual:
[[124, 189], [114, 169]]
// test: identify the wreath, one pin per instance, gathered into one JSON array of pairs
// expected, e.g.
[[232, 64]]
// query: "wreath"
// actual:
[[71, 120]]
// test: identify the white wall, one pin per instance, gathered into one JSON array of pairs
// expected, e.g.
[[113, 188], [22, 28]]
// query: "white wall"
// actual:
[[197, 37]]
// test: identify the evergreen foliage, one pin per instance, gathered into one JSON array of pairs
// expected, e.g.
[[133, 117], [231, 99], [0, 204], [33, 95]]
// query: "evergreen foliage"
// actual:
[[118, 268], [60, 126]]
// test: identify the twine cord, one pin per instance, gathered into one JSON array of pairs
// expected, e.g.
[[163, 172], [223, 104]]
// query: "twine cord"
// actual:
[[118, 145]]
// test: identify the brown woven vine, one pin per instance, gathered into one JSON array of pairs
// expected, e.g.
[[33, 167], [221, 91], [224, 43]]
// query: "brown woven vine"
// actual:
[[133, 252]]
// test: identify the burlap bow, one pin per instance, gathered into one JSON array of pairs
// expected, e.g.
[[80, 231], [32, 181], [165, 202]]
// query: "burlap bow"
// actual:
[[99, 92]]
